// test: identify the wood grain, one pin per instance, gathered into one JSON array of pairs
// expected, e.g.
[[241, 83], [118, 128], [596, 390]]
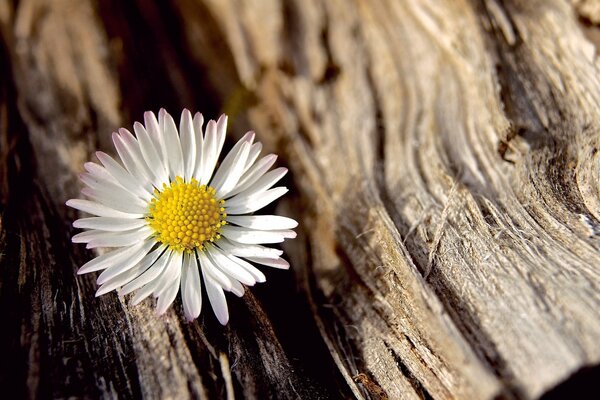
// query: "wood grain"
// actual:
[[444, 166]]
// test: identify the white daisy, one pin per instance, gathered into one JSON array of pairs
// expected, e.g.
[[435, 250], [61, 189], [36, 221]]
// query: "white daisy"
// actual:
[[173, 218]]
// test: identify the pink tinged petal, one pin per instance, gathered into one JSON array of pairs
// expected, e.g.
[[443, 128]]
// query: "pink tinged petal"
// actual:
[[248, 250], [120, 174], [92, 207], [262, 222], [198, 121], [191, 288], [170, 274], [256, 202], [216, 298], [133, 147], [109, 224], [188, 144], [120, 239], [173, 145], [209, 153], [103, 185], [153, 264], [229, 267], [151, 156], [107, 259], [126, 204], [270, 262], [125, 265], [253, 174], [251, 236], [208, 268], [162, 264], [260, 186], [232, 172]]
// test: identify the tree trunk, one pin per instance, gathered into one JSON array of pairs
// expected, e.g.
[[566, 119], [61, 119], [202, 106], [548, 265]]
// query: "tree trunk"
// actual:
[[445, 172]]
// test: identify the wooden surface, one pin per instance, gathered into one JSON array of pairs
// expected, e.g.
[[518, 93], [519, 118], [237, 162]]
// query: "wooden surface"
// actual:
[[444, 169]]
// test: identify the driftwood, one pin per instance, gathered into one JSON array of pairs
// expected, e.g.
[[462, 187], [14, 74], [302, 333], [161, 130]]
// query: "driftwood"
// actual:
[[445, 170]]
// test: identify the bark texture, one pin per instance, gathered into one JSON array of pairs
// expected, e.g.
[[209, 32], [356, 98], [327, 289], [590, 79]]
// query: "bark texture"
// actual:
[[445, 172]]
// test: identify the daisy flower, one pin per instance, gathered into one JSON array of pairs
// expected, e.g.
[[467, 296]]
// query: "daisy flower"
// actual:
[[177, 218]]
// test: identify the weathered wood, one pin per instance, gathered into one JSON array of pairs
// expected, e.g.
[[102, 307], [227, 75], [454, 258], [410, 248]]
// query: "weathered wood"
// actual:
[[445, 162]]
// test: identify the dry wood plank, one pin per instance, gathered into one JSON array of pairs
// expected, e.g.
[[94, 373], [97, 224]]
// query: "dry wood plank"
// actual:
[[444, 156], [448, 155]]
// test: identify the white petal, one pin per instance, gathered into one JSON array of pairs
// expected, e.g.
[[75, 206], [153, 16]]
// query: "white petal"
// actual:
[[208, 268], [103, 185], [270, 262], [253, 174], [173, 145], [221, 130], [131, 160], [251, 236], [229, 267], [153, 264], [162, 264], [133, 147], [167, 296], [191, 288], [260, 186], [156, 135], [209, 153], [125, 265], [198, 121], [237, 289], [248, 250], [99, 171], [120, 239], [188, 144], [110, 199], [109, 224], [255, 272], [170, 274], [216, 298], [232, 172], [151, 156], [127, 276], [256, 202], [117, 281], [120, 174], [262, 222], [87, 236], [232, 157], [254, 152], [107, 259], [92, 207]]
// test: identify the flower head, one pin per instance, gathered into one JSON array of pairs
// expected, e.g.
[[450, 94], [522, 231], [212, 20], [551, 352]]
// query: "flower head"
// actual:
[[179, 219]]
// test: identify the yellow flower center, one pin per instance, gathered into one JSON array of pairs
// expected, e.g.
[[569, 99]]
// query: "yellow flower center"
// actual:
[[185, 215]]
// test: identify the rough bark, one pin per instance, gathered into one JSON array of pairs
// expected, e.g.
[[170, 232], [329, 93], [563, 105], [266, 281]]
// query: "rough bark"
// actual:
[[445, 171]]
